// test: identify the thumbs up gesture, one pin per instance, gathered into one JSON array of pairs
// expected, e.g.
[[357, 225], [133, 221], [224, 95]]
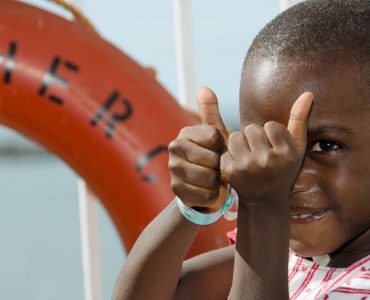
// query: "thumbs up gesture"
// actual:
[[262, 162], [194, 157], [259, 162]]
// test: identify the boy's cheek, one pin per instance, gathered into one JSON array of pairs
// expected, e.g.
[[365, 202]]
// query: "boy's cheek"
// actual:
[[328, 234], [317, 238]]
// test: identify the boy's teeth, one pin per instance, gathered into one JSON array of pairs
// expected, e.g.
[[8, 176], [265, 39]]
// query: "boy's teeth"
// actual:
[[302, 216]]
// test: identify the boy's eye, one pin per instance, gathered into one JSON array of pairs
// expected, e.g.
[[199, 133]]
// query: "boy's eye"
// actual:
[[325, 146]]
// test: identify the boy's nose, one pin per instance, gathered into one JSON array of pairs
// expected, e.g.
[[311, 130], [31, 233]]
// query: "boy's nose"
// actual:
[[304, 182]]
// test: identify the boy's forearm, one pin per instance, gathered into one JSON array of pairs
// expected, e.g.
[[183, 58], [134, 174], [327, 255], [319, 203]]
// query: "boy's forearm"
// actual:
[[153, 267], [261, 257]]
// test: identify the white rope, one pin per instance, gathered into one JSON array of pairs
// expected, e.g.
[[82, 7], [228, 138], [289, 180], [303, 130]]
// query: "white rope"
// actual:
[[75, 3]]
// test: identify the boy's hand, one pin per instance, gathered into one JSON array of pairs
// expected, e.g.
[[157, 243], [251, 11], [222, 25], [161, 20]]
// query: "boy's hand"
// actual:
[[194, 157], [262, 163]]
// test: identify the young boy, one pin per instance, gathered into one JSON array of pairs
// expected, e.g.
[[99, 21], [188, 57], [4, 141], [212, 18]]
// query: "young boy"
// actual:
[[301, 171]]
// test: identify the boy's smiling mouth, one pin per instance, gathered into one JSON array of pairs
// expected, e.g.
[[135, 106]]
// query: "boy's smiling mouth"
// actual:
[[305, 215], [306, 208]]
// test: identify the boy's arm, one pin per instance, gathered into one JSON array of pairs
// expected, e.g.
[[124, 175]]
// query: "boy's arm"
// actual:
[[153, 267], [261, 164], [261, 256], [207, 276]]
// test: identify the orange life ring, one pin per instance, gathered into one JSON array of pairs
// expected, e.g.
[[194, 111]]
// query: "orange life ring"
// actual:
[[98, 110]]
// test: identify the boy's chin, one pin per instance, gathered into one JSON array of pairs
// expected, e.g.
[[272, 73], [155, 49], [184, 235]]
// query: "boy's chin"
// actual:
[[304, 249]]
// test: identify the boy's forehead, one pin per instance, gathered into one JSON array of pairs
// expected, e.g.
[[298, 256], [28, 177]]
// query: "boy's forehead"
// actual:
[[270, 87]]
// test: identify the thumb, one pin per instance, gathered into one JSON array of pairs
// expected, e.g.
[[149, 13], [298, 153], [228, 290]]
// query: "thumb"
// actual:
[[209, 111], [298, 120]]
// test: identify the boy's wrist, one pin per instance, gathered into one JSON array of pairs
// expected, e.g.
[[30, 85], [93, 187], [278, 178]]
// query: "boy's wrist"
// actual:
[[196, 217], [273, 204], [206, 217]]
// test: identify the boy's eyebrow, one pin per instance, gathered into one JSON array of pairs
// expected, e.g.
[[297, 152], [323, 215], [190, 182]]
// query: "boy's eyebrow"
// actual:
[[328, 128]]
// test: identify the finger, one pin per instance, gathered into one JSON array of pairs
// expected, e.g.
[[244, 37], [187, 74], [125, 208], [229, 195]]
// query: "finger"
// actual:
[[237, 145], [209, 110], [256, 138], [193, 195], [205, 136], [226, 162], [298, 120], [278, 135], [195, 175], [201, 156]]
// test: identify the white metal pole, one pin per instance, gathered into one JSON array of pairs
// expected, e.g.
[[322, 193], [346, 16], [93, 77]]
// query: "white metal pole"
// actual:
[[89, 226], [90, 244], [184, 53]]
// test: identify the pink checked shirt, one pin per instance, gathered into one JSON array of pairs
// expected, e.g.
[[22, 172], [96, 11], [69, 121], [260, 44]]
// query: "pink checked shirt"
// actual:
[[309, 280]]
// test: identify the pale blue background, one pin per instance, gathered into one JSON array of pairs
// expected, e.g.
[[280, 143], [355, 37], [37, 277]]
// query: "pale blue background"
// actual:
[[39, 225]]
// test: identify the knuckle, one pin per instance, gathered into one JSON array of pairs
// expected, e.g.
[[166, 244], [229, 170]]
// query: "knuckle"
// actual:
[[271, 123], [252, 127], [273, 156], [287, 152], [244, 165], [215, 136], [284, 149], [232, 172], [189, 131], [213, 159], [237, 172], [234, 135], [170, 164], [274, 125], [178, 147], [174, 165], [173, 146], [252, 166], [185, 131], [207, 178], [290, 159], [264, 160], [212, 178], [176, 186], [225, 165]]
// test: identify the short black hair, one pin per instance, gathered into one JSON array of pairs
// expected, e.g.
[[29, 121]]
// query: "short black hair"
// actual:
[[327, 31]]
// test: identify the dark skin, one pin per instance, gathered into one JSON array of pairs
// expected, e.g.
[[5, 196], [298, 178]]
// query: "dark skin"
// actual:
[[330, 174], [335, 173]]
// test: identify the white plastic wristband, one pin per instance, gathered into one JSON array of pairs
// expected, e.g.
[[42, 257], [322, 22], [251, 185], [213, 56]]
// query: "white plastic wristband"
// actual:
[[205, 219]]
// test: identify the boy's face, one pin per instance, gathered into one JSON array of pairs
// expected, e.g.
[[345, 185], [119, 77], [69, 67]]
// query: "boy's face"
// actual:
[[333, 187]]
